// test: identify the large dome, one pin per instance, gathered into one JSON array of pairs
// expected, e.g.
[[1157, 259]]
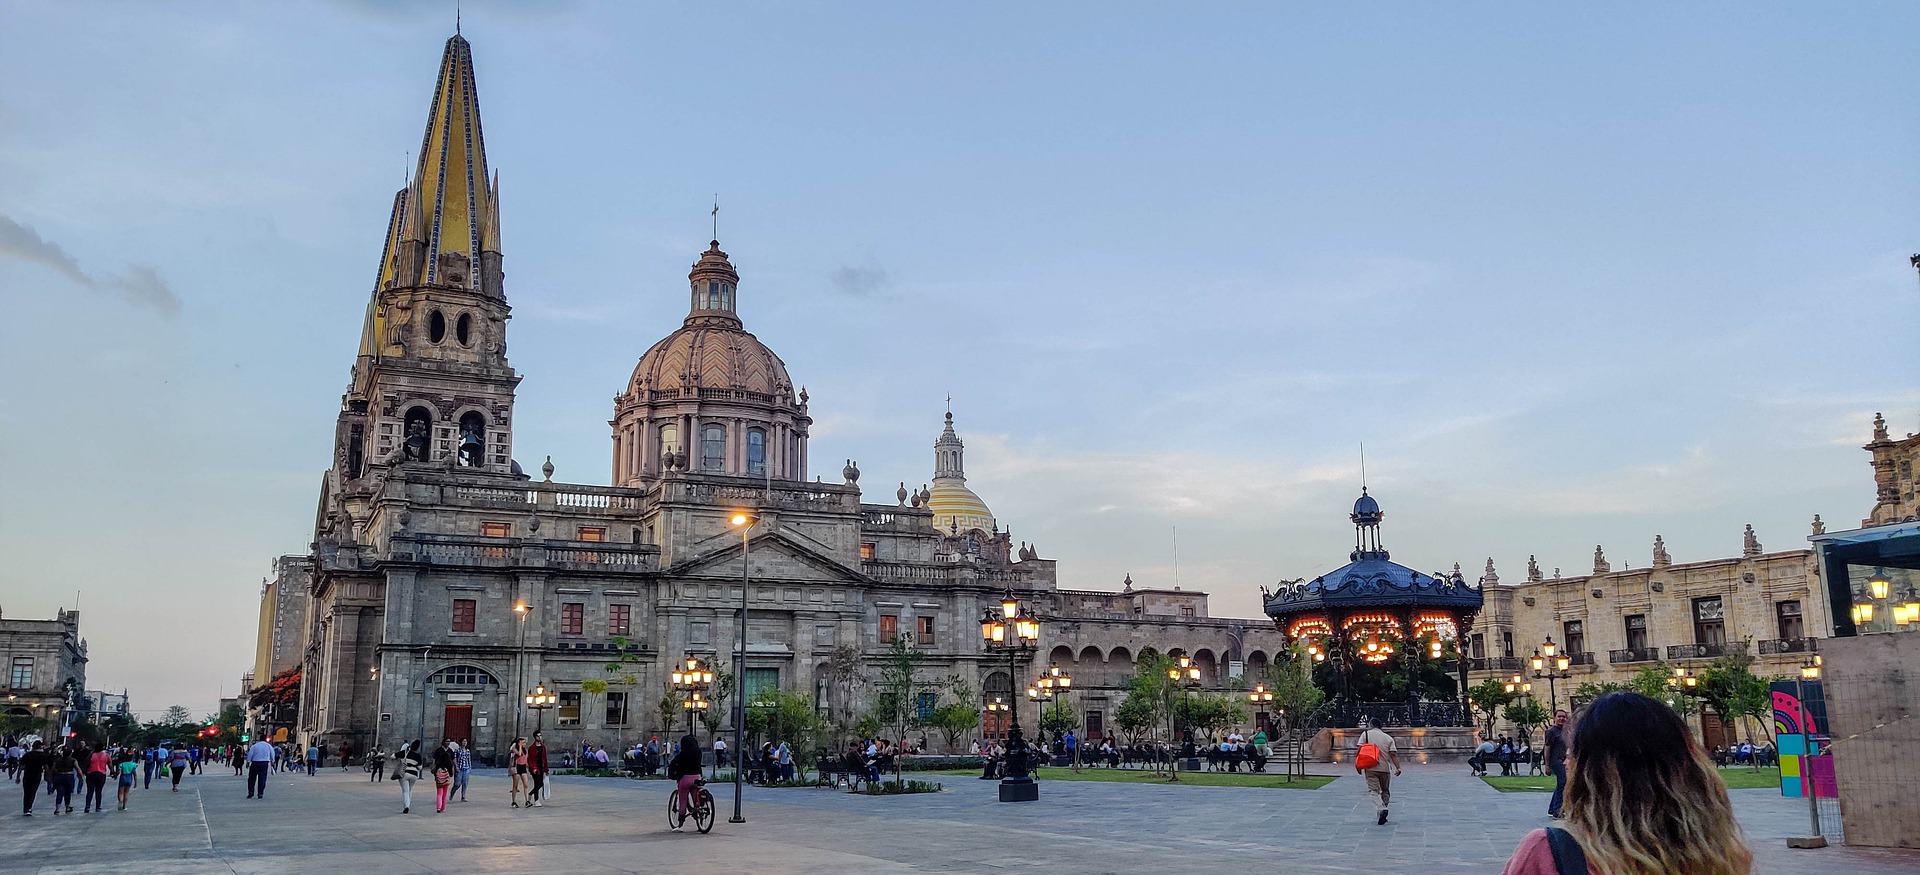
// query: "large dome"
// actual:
[[710, 357], [955, 507]]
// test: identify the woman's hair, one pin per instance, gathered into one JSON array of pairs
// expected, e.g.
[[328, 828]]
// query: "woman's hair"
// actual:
[[688, 742], [1642, 797]]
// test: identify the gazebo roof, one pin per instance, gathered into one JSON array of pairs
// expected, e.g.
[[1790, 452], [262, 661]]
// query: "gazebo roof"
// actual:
[[1372, 580]]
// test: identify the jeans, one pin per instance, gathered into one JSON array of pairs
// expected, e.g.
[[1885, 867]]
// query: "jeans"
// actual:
[[257, 778], [312, 765], [1559, 787], [62, 790], [96, 783], [406, 792], [460, 782], [177, 772], [30, 785]]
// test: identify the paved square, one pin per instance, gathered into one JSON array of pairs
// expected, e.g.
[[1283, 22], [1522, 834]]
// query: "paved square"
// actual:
[[1443, 822]]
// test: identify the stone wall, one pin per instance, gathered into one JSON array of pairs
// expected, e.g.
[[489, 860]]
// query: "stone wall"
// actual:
[[1873, 713]]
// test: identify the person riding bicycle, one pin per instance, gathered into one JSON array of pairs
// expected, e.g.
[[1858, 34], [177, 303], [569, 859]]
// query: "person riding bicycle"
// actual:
[[685, 769]]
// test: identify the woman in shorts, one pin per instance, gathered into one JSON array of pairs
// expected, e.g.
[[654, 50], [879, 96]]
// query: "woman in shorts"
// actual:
[[517, 759], [129, 770]]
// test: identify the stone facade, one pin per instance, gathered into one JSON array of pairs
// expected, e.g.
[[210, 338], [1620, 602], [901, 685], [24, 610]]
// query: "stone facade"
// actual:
[[445, 582], [284, 602], [46, 664]]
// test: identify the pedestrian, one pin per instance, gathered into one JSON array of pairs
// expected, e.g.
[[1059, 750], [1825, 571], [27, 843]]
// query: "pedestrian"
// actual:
[[719, 755], [1557, 761], [98, 764], [1642, 799], [406, 769], [149, 758], [517, 769], [442, 776], [33, 765], [178, 766], [376, 765], [259, 759], [62, 773], [1482, 756], [128, 768], [1378, 760], [537, 767], [462, 767], [313, 759]]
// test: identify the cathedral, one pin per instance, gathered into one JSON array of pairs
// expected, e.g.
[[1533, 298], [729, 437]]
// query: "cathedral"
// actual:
[[444, 582]]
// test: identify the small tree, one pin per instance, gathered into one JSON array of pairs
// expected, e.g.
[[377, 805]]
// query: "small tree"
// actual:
[[896, 705], [1526, 713], [176, 716], [1290, 678], [845, 673], [1588, 692], [1056, 718], [1486, 698], [667, 708]]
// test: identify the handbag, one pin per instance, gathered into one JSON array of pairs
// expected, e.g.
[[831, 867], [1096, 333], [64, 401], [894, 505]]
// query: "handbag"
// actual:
[[441, 777]]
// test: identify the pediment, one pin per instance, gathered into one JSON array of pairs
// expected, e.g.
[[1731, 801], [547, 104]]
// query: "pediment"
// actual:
[[772, 557]]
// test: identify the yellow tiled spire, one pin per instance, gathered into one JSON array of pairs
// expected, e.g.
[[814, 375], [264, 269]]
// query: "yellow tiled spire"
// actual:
[[452, 211], [373, 333]]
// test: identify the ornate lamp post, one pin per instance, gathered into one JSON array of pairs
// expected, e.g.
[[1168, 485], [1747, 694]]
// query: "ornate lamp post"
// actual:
[[1260, 697], [1547, 665], [520, 660], [1062, 684], [1016, 632], [539, 699], [1186, 675], [692, 680], [1809, 671]]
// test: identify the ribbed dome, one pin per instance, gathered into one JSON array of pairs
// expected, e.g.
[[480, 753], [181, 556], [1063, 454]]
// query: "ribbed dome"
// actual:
[[955, 506], [711, 357]]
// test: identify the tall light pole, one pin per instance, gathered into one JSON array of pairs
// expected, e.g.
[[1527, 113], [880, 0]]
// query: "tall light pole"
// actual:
[[692, 679], [1186, 675], [520, 673], [1062, 684], [1809, 671], [743, 521], [539, 699]]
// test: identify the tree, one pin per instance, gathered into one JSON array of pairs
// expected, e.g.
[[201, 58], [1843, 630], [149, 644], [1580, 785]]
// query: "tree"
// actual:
[[896, 706], [176, 715], [1588, 692], [1652, 682], [1290, 678], [1729, 687], [1486, 698], [717, 714], [845, 674], [1526, 713], [953, 720], [1136, 717], [1056, 718], [777, 715], [667, 708]]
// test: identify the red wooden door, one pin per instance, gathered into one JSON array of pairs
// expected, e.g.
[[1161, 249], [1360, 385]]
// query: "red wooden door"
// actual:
[[458, 724]]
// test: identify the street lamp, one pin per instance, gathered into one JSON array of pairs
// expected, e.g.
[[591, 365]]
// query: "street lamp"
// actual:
[[1517, 684], [539, 699], [1061, 682], [1187, 676], [1809, 671], [1016, 632], [743, 521], [1260, 697], [520, 673], [692, 680], [1546, 665]]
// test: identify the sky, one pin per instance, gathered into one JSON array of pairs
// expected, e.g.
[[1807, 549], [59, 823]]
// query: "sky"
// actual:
[[1573, 277]]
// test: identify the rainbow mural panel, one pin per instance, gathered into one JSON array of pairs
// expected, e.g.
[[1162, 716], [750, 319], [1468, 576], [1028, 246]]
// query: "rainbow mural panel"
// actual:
[[1800, 733]]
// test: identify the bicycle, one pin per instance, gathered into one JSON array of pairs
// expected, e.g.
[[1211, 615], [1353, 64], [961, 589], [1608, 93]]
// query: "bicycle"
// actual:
[[702, 808]]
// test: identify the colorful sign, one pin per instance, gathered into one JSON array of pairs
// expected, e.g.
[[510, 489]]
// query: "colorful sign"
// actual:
[[1800, 734]]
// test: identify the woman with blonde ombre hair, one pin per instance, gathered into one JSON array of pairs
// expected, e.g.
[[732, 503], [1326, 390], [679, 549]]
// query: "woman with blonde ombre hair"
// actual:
[[1642, 799]]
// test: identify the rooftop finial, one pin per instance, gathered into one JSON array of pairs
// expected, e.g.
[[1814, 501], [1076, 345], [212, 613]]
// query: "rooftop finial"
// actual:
[[1363, 467], [716, 219], [456, 17]]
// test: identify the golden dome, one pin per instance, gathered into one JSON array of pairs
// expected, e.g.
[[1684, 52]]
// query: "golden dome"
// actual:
[[955, 507]]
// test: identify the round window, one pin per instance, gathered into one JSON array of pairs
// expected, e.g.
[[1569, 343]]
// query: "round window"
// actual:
[[436, 327], [462, 328]]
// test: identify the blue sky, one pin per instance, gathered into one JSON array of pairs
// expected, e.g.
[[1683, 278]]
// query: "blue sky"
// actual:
[[1575, 277]]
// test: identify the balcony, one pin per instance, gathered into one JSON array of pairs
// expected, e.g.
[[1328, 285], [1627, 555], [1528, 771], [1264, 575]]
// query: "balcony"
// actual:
[[1494, 663], [1584, 657], [1705, 651], [1788, 645], [1633, 654]]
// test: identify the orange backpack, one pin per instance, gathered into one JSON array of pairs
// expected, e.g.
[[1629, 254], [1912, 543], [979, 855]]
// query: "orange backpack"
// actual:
[[1367, 757]]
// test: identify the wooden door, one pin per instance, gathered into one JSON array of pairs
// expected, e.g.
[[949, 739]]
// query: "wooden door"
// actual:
[[458, 723]]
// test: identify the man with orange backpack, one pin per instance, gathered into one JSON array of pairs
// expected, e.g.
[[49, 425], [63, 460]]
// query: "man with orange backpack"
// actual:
[[1379, 761]]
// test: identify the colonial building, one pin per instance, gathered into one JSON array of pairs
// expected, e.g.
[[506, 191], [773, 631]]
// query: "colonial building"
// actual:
[[445, 582], [46, 665], [284, 599]]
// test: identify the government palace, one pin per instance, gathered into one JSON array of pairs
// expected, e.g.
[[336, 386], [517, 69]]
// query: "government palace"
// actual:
[[443, 582]]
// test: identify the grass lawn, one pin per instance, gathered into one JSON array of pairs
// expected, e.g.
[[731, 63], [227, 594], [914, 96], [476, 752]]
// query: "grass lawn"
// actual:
[[1192, 779], [1737, 778]]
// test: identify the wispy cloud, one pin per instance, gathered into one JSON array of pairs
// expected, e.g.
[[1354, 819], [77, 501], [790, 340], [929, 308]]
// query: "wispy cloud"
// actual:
[[139, 284], [860, 282]]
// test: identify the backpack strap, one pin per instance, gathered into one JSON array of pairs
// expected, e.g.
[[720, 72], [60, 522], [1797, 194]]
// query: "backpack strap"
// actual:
[[1568, 857]]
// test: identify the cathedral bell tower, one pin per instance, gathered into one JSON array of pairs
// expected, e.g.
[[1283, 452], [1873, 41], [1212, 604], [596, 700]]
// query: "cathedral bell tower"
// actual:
[[431, 384]]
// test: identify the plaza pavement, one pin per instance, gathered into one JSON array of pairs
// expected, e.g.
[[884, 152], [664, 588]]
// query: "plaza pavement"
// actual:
[[1443, 822]]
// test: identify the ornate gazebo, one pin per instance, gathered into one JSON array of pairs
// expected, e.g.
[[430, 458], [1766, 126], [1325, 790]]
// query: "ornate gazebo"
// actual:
[[1369, 609]]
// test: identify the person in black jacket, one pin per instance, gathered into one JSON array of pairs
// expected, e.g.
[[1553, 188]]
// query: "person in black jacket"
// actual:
[[32, 766], [685, 769]]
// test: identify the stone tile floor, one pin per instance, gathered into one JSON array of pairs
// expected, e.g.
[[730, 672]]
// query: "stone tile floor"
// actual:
[[1444, 822]]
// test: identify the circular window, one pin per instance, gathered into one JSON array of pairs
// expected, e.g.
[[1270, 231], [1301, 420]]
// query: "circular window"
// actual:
[[462, 327], [436, 327]]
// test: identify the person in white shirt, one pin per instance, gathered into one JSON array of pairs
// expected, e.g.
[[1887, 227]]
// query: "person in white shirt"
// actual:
[[259, 757], [1380, 775]]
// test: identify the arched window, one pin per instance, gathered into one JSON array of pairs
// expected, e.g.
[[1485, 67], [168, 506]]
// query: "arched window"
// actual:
[[713, 448], [472, 451], [756, 452], [417, 436], [461, 676]]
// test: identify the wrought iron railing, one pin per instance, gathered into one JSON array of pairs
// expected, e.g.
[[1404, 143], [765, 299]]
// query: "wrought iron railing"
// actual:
[[1346, 714], [1584, 657], [1788, 645], [1634, 654], [1705, 651], [1493, 663]]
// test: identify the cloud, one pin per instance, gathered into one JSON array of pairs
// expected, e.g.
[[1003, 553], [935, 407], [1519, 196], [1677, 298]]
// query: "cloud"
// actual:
[[859, 282], [140, 284]]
